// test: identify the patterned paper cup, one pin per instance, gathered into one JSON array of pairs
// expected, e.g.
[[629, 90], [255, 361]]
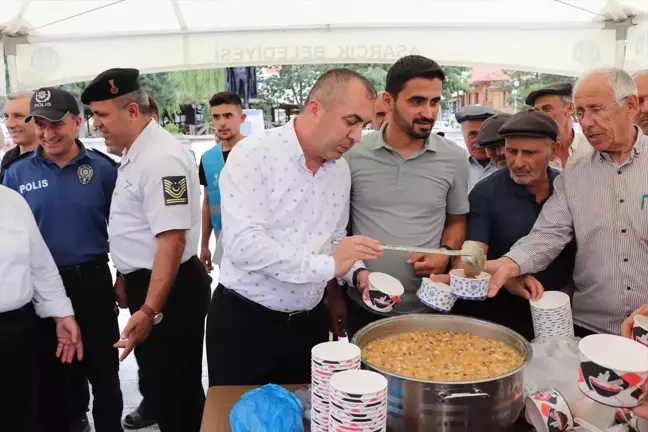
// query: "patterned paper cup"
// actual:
[[613, 370], [640, 329], [548, 412], [469, 288], [436, 295], [383, 293]]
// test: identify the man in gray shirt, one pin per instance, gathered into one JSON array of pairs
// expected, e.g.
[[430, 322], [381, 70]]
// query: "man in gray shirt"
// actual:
[[601, 200], [408, 187]]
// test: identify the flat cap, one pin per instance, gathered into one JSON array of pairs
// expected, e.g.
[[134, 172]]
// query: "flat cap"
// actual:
[[489, 131], [52, 103], [563, 89], [111, 84], [532, 124], [475, 112]]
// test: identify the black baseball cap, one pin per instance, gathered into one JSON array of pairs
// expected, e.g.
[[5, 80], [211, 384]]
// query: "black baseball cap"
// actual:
[[52, 103]]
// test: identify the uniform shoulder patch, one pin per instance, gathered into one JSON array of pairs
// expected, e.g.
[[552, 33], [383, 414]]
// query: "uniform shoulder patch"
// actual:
[[104, 155], [175, 190]]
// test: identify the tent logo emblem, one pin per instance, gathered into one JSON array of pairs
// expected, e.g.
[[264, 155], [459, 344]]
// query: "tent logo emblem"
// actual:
[[113, 89]]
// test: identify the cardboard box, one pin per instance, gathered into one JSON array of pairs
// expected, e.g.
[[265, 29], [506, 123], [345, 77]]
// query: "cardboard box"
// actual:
[[221, 399]]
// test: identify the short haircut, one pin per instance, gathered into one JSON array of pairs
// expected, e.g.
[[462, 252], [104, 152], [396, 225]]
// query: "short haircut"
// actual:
[[139, 97], [619, 80], [152, 108], [331, 84], [226, 98], [20, 95], [410, 67]]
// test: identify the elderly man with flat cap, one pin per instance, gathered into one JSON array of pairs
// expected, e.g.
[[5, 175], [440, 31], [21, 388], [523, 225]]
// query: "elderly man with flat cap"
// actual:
[[601, 201], [471, 118], [556, 101], [491, 141], [503, 208], [154, 229]]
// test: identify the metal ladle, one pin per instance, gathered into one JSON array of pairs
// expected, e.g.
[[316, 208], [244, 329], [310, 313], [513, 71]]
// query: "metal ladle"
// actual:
[[473, 257]]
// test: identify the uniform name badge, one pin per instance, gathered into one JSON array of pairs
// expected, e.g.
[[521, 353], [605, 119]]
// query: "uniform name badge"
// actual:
[[175, 190], [85, 173]]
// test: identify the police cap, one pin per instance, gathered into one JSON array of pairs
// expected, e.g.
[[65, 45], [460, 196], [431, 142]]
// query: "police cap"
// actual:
[[563, 89], [475, 112], [532, 124], [111, 84], [489, 131], [52, 103]]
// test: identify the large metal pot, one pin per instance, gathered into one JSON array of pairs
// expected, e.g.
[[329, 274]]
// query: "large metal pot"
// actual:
[[490, 405]]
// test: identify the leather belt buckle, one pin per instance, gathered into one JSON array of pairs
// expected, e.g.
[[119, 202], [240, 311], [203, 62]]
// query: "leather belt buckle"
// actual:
[[295, 315]]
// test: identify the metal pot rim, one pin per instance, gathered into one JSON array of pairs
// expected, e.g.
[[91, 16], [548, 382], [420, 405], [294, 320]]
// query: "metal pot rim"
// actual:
[[528, 354]]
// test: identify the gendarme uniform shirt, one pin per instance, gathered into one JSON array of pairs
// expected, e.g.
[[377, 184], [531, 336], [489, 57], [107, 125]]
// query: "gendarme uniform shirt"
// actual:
[[157, 190]]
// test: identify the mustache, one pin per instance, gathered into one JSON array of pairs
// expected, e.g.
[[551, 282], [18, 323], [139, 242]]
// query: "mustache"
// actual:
[[424, 120]]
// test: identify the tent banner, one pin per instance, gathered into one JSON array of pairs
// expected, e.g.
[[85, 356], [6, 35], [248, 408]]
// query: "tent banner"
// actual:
[[567, 52]]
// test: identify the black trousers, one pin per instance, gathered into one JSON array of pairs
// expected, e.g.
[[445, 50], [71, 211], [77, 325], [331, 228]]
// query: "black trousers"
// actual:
[[172, 354], [248, 344], [18, 370], [64, 393]]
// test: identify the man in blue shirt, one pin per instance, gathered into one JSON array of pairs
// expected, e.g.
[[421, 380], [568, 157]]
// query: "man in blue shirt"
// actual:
[[69, 190], [227, 117], [504, 207]]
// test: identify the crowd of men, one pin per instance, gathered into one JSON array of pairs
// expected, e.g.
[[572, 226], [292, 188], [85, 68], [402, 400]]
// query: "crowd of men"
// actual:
[[300, 214]]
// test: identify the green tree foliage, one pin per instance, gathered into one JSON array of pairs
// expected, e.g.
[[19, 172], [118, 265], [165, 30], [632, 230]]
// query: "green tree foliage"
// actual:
[[533, 81], [199, 85], [293, 82]]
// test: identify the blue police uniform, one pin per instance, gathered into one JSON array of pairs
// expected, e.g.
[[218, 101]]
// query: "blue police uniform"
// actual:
[[70, 204], [71, 207]]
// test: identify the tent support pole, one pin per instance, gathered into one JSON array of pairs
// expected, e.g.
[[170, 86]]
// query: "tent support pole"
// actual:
[[12, 67], [621, 30]]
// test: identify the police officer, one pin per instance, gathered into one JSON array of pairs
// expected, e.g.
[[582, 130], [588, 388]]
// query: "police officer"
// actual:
[[154, 230], [69, 189]]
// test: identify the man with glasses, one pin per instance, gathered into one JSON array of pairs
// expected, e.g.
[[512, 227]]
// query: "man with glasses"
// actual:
[[601, 201]]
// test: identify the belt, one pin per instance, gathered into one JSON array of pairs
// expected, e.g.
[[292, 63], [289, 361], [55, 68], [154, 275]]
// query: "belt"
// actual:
[[84, 268], [287, 317]]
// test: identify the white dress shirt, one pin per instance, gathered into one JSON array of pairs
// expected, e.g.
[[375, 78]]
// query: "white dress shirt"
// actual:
[[281, 222], [26, 265], [157, 190]]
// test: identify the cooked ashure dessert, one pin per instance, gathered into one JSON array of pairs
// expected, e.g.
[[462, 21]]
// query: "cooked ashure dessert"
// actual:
[[442, 356]]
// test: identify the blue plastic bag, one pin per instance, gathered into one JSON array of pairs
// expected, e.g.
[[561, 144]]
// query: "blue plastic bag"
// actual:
[[270, 408]]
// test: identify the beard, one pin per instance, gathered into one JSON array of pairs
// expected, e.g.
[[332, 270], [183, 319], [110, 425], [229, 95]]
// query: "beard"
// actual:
[[410, 128]]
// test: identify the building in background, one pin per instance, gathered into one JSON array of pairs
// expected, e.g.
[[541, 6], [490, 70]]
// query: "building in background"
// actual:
[[491, 88]]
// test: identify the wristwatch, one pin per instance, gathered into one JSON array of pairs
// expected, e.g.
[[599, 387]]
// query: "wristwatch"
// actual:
[[156, 317], [354, 278]]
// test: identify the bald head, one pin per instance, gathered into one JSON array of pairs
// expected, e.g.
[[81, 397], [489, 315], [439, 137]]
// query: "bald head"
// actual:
[[641, 81], [332, 87]]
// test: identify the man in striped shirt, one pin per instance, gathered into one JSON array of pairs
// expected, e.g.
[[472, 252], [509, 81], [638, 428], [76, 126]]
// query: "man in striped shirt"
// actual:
[[600, 200]]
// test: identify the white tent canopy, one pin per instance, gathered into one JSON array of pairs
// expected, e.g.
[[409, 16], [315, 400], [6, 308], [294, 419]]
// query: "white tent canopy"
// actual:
[[51, 42]]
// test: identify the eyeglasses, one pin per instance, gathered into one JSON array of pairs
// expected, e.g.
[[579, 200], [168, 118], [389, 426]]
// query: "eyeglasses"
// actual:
[[597, 111]]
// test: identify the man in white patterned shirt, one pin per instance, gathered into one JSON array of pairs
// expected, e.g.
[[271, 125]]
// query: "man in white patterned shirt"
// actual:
[[601, 200], [30, 282], [285, 205]]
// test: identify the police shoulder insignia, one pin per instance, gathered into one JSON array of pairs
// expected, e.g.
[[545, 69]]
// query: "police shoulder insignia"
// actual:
[[175, 190]]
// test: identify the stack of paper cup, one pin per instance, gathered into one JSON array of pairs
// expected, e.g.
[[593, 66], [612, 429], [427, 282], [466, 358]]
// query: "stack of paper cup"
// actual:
[[328, 358], [358, 401], [552, 316]]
